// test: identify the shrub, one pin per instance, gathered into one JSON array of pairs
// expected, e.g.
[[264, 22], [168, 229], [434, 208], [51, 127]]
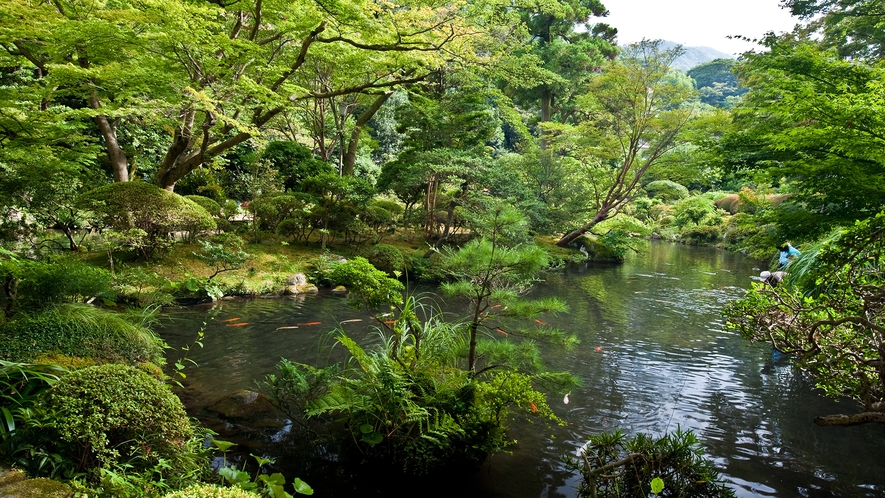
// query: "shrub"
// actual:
[[633, 463], [211, 491], [79, 330], [696, 211], [386, 258], [39, 284], [147, 213], [270, 210], [666, 190], [211, 207], [703, 234], [116, 414]]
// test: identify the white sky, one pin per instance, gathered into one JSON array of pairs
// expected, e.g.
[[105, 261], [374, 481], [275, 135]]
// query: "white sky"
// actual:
[[697, 23]]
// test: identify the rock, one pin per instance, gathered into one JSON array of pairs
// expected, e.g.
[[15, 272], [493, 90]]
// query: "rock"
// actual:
[[340, 290], [244, 406], [14, 484], [296, 279], [656, 236]]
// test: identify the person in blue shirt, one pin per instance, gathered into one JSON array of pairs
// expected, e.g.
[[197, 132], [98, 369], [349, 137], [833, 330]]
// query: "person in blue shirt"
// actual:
[[787, 253]]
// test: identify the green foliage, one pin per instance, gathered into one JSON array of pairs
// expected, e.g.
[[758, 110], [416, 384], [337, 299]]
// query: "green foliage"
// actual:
[[21, 385], [38, 284], [386, 258], [272, 209], [295, 163], [829, 319], [223, 257], [155, 213], [372, 285], [614, 466], [666, 190], [695, 211], [211, 207], [211, 491], [272, 485], [119, 415], [406, 404], [701, 234], [716, 83], [296, 387], [80, 330]]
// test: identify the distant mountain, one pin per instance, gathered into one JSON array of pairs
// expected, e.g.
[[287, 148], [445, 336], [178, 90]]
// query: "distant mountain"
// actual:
[[695, 56]]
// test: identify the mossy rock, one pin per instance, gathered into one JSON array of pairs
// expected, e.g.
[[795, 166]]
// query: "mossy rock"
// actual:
[[595, 250], [244, 407], [14, 484]]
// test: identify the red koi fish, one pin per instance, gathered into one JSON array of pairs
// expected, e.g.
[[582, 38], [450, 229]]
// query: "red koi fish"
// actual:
[[230, 320], [539, 322], [598, 348], [310, 324], [241, 324], [534, 408], [501, 332]]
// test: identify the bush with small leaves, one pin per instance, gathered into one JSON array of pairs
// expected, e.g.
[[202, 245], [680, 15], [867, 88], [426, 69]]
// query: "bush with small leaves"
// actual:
[[386, 258], [118, 414], [148, 210], [211, 491], [666, 190], [211, 207]]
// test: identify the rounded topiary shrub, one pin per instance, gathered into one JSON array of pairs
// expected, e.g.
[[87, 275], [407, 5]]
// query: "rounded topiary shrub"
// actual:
[[666, 190], [386, 258], [212, 207], [145, 213], [115, 413], [211, 491]]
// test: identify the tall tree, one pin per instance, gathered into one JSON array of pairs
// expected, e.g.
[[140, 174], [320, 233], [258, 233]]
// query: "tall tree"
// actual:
[[856, 28], [635, 109], [816, 120], [215, 74], [571, 49]]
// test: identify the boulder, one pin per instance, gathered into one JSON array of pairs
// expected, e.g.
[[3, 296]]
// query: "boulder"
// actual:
[[244, 407]]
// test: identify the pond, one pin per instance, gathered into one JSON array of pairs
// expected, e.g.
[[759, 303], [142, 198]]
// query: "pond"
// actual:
[[654, 355]]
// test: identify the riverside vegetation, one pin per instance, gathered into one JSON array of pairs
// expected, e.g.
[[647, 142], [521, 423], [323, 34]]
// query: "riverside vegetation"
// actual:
[[158, 152]]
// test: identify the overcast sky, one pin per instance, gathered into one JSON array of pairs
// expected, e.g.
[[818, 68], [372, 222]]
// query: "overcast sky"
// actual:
[[697, 23]]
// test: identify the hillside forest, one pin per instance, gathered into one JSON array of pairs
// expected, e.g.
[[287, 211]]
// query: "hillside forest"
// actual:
[[160, 152]]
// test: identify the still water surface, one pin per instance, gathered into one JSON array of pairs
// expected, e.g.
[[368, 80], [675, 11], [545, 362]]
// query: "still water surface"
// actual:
[[654, 355]]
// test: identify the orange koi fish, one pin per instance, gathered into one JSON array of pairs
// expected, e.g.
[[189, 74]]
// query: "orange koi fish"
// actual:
[[310, 324], [241, 324], [598, 348], [230, 320], [534, 408], [501, 332], [539, 322], [389, 322], [496, 306]]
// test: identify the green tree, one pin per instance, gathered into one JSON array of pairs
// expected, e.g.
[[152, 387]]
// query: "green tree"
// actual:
[[492, 271], [856, 28], [816, 121], [144, 214], [828, 317], [635, 110], [716, 83], [569, 56], [216, 74]]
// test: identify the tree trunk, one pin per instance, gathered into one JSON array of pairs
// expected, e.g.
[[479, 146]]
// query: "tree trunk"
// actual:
[[349, 160], [116, 158], [600, 216]]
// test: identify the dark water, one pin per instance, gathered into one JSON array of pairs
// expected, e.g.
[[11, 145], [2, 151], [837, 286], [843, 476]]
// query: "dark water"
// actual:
[[654, 356]]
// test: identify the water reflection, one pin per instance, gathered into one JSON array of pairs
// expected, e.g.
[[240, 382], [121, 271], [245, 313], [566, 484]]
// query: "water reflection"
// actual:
[[654, 355]]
